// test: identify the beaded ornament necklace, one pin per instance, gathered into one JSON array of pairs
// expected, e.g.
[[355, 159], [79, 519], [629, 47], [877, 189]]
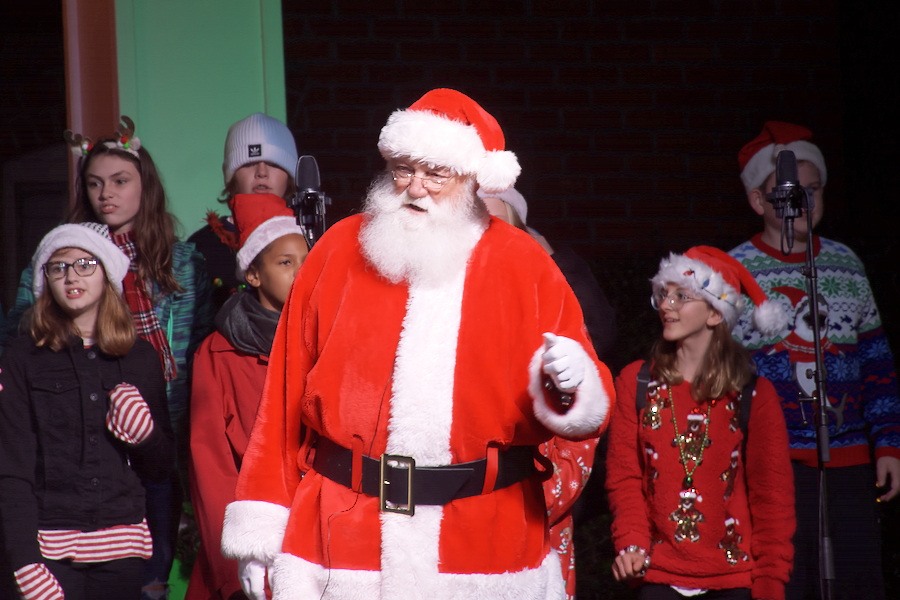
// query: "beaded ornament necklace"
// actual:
[[688, 481]]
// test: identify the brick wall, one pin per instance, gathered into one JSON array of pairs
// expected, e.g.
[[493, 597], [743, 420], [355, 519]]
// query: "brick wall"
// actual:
[[626, 115]]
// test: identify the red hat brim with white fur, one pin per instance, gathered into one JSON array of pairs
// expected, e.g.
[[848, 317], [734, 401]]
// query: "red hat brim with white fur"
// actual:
[[446, 128]]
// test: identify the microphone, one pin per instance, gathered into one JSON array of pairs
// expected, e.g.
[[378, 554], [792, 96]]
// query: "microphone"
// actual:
[[788, 196], [309, 202]]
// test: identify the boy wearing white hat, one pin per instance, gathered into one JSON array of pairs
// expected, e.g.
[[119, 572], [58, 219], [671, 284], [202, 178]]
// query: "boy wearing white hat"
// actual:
[[860, 380], [260, 158]]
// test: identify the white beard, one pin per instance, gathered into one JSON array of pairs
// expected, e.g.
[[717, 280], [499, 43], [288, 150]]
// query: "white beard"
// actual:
[[424, 248]]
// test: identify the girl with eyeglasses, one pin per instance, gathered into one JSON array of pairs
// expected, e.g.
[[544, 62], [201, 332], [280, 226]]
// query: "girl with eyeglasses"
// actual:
[[83, 418], [698, 473], [166, 288]]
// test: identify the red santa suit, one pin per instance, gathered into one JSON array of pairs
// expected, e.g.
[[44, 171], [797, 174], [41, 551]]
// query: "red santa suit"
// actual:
[[440, 373]]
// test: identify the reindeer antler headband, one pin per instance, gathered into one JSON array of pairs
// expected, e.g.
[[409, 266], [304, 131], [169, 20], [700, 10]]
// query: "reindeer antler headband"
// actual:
[[125, 140]]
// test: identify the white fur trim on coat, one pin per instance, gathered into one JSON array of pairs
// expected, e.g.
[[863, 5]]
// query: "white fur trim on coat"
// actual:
[[297, 579], [254, 529], [588, 411]]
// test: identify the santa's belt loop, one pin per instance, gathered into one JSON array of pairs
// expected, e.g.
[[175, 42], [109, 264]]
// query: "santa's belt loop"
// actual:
[[430, 485]]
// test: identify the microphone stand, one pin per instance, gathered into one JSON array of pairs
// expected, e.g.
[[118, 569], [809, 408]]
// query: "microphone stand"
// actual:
[[819, 400]]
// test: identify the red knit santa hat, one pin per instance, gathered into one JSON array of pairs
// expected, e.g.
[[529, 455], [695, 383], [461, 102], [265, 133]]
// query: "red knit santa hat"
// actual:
[[721, 279], [446, 128], [260, 219], [757, 159]]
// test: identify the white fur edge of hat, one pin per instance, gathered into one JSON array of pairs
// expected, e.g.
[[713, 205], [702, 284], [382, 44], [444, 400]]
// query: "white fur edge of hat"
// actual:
[[74, 235], [762, 164], [262, 236], [442, 142], [769, 317], [674, 268]]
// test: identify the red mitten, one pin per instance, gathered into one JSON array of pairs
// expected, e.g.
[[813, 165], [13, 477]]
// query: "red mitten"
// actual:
[[129, 416], [36, 582]]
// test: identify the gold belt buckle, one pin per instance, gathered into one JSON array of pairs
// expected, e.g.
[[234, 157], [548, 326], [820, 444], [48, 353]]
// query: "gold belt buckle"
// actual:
[[407, 462]]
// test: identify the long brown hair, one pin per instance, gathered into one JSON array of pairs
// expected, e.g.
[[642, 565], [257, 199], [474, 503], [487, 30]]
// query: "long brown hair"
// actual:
[[50, 326], [154, 226], [726, 365]]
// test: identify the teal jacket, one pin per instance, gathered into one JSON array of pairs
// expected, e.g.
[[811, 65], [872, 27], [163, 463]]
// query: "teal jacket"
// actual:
[[186, 318]]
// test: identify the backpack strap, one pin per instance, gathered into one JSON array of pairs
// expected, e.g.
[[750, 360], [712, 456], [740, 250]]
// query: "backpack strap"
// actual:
[[643, 381], [744, 416]]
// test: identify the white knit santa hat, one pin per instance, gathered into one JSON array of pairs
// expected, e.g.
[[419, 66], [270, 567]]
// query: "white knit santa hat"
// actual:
[[757, 159], [512, 197], [446, 128], [260, 219], [721, 279], [90, 237], [259, 138]]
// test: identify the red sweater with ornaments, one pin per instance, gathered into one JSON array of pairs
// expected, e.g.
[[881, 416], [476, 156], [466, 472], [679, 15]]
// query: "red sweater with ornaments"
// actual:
[[737, 532]]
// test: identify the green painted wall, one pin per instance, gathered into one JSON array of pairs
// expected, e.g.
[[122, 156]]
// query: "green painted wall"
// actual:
[[188, 69]]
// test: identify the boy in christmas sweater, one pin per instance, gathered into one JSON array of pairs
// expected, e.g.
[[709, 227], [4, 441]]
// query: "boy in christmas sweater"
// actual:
[[860, 379]]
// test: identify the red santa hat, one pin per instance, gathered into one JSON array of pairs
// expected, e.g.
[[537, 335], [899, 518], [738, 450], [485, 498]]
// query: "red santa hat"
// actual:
[[757, 159], [721, 279], [446, 128], [795, 295], [260, 219]]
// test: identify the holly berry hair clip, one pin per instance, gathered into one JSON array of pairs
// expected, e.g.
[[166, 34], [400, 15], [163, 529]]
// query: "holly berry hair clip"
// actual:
[[80, 145], [125, 138]]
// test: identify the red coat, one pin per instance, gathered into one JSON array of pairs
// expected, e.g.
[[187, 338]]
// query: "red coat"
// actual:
[[433, 373], [227, 385], [644, 481]]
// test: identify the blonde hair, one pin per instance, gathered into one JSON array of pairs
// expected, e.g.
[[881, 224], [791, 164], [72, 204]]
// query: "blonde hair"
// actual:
[[726, 365], [114, 333]]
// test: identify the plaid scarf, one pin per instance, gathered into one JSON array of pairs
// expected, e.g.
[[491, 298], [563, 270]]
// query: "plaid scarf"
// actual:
[[141, 305]]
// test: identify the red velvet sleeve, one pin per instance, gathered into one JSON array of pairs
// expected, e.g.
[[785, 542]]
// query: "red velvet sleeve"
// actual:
[[624, 469], [770, 483]]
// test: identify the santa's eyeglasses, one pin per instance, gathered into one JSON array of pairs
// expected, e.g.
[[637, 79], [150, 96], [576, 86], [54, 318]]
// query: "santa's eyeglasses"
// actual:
[[432, 183]]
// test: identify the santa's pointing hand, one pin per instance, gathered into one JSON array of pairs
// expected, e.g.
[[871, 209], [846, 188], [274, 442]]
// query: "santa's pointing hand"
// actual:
[[564, 361]]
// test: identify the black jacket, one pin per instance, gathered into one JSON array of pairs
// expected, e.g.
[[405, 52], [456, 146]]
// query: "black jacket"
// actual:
[[60, 468]]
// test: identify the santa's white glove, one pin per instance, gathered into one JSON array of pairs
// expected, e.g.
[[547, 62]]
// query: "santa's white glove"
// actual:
[[564, 361], [252, 574], [36, 582]]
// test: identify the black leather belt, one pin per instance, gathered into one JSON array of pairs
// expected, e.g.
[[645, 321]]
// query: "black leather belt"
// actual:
[[390, 477]]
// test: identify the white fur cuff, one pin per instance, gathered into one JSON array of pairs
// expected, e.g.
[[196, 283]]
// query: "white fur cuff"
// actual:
[[588, 411], [254, 529]]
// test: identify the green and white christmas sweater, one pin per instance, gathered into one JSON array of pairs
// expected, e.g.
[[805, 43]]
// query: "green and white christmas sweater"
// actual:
[[860, 378]]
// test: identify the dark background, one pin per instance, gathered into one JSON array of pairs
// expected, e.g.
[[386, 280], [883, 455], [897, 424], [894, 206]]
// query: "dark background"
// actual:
[[626, 115]]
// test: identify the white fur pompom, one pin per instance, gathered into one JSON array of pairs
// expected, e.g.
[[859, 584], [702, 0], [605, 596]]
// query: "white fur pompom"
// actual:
[[498, 171], [770, 317]]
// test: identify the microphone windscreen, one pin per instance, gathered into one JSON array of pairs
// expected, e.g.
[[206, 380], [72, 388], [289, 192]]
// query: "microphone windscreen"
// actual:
[[786, 168], [307, 175]]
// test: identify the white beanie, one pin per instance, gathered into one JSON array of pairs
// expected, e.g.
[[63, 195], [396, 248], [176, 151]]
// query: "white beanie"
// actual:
[[512, 197], [90, 237], [259, 138]]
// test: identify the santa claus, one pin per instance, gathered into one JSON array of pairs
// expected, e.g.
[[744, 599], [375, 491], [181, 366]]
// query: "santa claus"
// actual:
[[425, 351]]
